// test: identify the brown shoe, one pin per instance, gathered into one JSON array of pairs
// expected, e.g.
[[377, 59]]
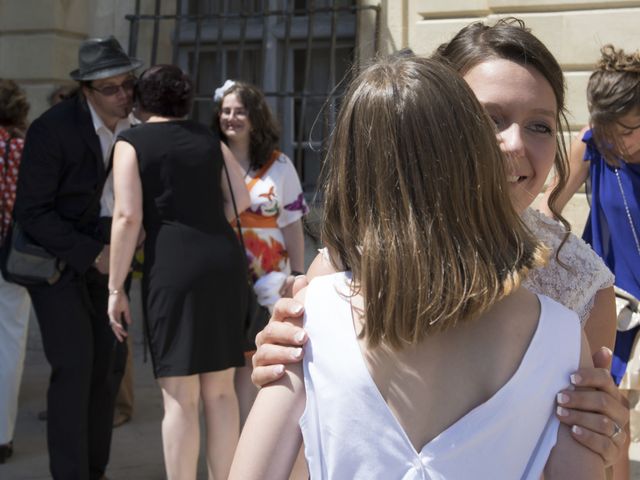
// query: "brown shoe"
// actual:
[[120, 419]]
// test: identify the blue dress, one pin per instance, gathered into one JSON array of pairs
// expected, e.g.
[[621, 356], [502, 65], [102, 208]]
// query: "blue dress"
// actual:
[[609, 233]]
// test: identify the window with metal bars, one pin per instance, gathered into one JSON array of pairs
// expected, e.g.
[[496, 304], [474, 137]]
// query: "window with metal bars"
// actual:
[[298, 51]]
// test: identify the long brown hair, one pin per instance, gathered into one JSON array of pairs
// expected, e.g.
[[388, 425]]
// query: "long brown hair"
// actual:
[[509, 39], [416, 204], [265, 133], [613, 91]]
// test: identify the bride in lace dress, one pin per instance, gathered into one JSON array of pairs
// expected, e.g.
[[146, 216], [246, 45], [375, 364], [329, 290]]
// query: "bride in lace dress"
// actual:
[[521, 85]]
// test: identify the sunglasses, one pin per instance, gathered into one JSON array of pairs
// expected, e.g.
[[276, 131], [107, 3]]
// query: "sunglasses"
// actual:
[[111, 90]]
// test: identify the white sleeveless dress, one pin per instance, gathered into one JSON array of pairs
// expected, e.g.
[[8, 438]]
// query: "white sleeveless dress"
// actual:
[[350, 433]]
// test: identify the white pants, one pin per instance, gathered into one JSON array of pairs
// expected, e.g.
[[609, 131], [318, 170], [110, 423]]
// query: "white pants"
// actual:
[[14, 320]]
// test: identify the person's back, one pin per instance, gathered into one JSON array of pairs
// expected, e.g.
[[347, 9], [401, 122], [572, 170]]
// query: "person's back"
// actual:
[[486, 411], [180, 170], [430, 255]]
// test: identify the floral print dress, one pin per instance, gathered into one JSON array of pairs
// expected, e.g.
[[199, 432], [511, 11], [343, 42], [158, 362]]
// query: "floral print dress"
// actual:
[[277, 200]]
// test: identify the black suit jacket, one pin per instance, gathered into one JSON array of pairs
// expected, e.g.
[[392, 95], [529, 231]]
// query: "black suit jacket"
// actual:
[[61, 169]]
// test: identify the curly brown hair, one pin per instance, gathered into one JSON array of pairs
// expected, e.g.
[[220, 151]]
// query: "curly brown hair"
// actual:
[[613, 91], [164, 90], [265, 133], [14, 107]]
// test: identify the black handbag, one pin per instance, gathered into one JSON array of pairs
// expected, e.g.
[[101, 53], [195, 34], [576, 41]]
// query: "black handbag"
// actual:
[[257, 315], [26, 263]]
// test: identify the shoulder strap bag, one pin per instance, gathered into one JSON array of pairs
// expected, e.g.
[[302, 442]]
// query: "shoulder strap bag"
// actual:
[[27, 263]]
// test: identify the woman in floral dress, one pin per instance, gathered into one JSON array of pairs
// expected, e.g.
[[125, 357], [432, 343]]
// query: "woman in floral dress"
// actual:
[[272, 225]]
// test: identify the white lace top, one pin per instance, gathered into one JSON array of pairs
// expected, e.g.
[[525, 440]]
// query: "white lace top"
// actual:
[[577, 286]]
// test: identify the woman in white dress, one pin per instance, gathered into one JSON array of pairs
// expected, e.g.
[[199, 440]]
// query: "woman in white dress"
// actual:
[[429, 256], [507, 67]]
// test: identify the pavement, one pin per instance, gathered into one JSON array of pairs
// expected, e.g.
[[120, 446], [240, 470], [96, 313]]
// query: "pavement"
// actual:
[[136, 452]]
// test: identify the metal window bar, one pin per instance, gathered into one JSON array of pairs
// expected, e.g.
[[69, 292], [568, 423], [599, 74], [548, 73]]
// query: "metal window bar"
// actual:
[[303, 107], [193, 32]]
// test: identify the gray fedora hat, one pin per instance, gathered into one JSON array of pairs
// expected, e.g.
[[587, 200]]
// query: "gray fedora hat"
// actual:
[[102, 58]]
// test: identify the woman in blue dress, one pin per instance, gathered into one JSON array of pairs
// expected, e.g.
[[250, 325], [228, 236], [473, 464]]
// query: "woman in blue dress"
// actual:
[[608, 152]]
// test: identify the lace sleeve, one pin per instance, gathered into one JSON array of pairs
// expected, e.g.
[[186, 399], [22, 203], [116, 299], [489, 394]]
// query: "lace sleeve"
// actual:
[[575, 284]]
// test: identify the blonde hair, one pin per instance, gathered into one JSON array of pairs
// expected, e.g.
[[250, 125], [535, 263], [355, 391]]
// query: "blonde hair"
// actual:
[[612, 92], [416, 203]]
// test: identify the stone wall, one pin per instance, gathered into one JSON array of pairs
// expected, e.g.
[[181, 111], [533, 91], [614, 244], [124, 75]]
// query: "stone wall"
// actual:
[[574, 30], [39, 39]]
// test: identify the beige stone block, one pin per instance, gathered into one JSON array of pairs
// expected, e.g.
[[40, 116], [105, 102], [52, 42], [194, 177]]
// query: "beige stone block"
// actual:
[[36, 15], [514, 6], [575, 38], [37, 57], [426, 35], [428, 9], [576, 99], [38, 94]]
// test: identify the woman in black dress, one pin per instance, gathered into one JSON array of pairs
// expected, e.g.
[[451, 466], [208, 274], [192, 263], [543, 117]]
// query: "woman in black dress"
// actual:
[[169, 179]]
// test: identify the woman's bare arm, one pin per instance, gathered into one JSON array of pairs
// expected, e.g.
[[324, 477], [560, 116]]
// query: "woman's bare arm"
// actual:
[[568, 458], [271, 437], [294, 243], [125, 230], [600, 327]]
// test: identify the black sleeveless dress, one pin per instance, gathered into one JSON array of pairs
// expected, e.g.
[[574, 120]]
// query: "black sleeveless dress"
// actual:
[[194, 284]]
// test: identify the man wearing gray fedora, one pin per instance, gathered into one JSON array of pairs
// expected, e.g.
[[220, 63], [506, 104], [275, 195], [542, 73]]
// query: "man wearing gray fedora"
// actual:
[[61, 205]]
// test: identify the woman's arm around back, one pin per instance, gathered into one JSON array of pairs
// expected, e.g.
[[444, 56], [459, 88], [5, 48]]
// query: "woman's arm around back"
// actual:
[[271, 437], [568, 458]]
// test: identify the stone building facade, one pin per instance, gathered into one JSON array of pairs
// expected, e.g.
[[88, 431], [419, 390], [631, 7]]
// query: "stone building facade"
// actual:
[[39, 38]]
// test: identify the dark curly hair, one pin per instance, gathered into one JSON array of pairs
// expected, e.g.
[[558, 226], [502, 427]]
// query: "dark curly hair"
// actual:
[[164, 90], [13, 105], [265, 133]]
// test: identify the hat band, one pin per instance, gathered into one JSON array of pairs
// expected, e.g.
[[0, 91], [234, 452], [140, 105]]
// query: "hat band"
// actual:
[[85, 70]]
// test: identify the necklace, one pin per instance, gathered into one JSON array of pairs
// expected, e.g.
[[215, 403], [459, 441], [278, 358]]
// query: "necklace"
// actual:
[[626, 208]]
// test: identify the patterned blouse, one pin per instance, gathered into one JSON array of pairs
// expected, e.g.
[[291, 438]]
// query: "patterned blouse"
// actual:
[[277, 200], [10, 156]]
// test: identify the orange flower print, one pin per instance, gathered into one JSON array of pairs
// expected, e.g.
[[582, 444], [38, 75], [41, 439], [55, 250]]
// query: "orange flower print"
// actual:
[[270, 194], [273, 256]]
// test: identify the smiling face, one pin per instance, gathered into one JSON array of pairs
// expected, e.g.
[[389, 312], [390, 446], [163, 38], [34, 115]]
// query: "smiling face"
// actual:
[[523, 107], [234, 119]]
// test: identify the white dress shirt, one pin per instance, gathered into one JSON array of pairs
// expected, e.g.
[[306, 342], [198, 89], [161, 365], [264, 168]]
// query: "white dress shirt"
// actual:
[[107, 141]]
